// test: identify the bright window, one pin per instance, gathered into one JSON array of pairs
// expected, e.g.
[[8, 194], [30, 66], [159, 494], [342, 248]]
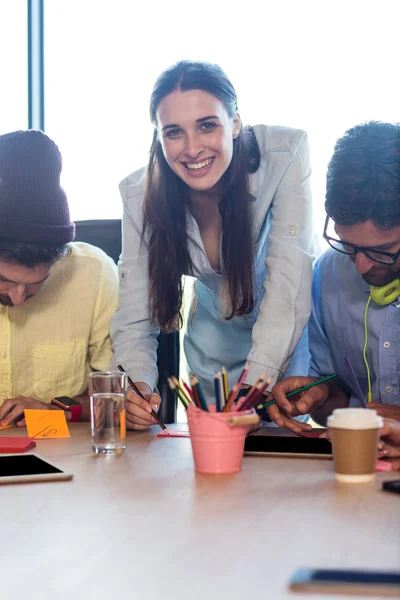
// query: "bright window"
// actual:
[[14, 69], [320, 66]]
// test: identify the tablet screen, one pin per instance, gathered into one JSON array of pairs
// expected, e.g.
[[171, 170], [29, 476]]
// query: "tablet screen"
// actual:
[[13, 466], [269, 444]]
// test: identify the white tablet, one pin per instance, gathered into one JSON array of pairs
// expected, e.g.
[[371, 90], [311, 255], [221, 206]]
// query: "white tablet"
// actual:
[[24, 468]]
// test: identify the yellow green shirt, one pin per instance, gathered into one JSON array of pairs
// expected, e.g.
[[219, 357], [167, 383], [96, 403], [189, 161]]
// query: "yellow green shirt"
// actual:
[[50, 343]]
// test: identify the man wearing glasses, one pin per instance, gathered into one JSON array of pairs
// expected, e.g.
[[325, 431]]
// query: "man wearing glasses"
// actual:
[[356, 289]]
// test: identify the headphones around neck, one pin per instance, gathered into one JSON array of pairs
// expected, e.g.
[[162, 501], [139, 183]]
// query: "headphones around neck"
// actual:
[[386, 294], [382, 296]]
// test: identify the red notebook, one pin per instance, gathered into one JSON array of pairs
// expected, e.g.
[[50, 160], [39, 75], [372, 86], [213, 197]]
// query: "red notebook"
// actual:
[[16, 444]]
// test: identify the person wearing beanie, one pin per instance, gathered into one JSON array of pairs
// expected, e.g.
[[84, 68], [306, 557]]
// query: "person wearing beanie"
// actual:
[[56, 296]]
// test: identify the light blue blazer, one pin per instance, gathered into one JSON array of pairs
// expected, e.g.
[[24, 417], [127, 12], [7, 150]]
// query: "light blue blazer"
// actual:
[[283, 256]]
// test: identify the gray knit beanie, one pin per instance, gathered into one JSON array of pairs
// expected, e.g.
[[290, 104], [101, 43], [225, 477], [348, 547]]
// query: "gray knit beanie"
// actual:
[[33, 205]]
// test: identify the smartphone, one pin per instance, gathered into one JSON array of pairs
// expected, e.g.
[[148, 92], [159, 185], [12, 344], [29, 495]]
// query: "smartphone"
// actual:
[[392, 486], [287, 445], [17, 468], [335, 581]]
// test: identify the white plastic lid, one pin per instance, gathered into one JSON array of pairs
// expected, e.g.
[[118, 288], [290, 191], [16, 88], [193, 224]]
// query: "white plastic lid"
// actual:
[[355, 418]]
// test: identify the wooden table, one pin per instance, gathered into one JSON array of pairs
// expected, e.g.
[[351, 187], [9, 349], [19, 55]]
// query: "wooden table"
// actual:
[[146, 526]]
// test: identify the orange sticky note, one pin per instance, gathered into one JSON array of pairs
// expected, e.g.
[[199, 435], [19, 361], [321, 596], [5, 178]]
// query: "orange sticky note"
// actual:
[[4, 427], [46, 424]]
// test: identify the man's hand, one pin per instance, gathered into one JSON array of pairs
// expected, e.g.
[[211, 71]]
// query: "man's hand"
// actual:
[[13, 408], [389, 445], [386, 411], [138, 411], [284, 410]]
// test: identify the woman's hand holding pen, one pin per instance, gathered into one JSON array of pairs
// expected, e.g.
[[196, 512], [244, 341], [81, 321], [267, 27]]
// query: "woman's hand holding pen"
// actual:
[[283, 411], [138, 411]]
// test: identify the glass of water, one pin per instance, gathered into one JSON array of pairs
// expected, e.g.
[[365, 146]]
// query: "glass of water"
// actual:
[[107, 390]]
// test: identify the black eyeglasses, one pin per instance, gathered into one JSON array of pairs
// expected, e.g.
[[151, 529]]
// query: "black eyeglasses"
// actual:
[[385, 258]]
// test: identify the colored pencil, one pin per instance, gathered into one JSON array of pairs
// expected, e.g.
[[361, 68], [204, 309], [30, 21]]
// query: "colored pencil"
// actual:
[[139, 393], [187, 388], [357, 388], [196, 398], [236, 388], [300, 389], [245, 401], [253, 389], [194, 382], [311, 385], [222, 391], [217, 387], [182, 389], [178, 392], [254, 398], [266, 404], [225, 384]]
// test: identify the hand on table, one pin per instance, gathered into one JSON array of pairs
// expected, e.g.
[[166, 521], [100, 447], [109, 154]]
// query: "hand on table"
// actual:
[[138, 411], [389, 445], [12, 408], [387, 411], [285, 409]]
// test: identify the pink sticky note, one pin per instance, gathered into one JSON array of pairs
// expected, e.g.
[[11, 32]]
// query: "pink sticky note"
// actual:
[[382, 465], [16, 444], [184, 432]]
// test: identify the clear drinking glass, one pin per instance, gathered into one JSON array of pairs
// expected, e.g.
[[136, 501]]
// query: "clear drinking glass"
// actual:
[[107, 390]]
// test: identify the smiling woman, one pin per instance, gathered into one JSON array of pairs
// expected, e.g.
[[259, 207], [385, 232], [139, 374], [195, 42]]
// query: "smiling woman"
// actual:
[[229, 205], [198, 148], [209, 127]]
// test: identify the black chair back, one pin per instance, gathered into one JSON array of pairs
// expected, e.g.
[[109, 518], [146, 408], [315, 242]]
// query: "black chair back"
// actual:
[[106, 234]]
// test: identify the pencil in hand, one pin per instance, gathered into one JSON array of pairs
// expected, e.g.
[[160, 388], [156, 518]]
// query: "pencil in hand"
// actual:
[[139, 393], [298, 390]]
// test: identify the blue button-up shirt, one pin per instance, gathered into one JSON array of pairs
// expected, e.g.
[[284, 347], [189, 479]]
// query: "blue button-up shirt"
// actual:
[[336, 330]]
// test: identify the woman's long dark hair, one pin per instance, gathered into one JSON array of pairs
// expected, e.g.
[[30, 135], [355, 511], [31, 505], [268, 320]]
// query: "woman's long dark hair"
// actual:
[[167, 196]]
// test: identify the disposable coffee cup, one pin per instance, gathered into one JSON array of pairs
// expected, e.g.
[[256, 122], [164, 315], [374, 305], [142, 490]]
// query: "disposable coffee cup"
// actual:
[[354, 436]]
